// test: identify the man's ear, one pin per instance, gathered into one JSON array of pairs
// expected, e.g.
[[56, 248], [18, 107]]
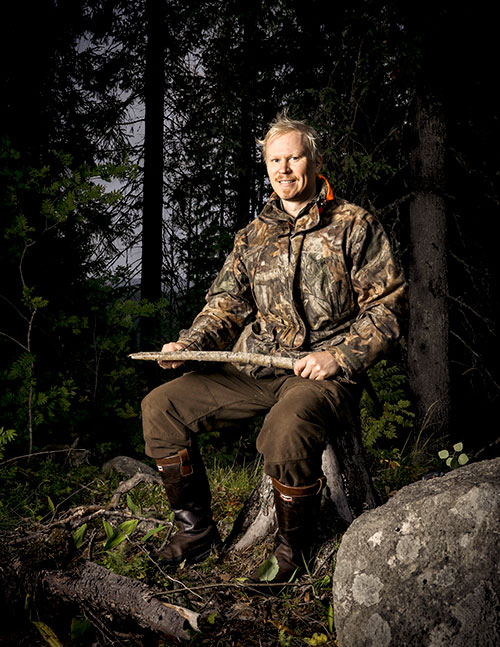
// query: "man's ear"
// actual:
[[319, 163]]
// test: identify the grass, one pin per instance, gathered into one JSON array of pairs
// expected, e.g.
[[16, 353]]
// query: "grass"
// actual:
[[231, 485]]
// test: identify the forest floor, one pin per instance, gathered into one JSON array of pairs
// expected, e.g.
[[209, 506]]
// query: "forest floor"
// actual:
[[299, 614]]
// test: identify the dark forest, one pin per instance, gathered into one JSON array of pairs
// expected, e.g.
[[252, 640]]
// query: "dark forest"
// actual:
[[129, 161]]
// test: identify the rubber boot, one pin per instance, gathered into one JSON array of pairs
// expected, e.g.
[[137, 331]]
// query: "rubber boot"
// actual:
[[297, 510], [186, 484]]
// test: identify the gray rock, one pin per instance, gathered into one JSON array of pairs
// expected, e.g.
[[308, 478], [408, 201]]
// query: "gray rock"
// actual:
[[423, 570], [129, 467]]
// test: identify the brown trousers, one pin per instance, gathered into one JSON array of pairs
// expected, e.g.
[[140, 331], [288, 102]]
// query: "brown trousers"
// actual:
[[301, 415]]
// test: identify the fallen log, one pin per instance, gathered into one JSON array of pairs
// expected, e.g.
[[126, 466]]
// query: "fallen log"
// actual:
[[39, 564], [122, 598]]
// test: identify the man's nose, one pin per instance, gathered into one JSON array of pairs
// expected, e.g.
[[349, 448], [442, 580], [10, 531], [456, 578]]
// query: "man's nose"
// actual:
[[284, 166]]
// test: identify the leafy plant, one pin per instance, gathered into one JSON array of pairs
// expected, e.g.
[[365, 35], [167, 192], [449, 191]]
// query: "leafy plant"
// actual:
[[47, 210], [268, 570], [26, 491], [122, 562], [456, 459], [79, 626], [79, 535], [47, 634], [115, 536], [400, 455], [6, 436], [389, 384], [316, 640]]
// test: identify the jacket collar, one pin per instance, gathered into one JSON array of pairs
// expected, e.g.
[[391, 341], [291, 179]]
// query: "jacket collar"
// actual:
[[310, 215]]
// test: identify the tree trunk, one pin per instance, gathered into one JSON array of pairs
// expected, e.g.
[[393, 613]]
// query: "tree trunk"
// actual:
[[428, 330], [152, 219]]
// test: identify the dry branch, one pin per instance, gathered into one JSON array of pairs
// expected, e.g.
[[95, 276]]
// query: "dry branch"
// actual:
[[271, 361], [130, 484]]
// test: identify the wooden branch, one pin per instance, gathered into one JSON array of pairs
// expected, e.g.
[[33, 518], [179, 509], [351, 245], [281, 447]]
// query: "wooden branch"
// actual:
[[271, 361], [68, 450], [86, 514], [125, 486]]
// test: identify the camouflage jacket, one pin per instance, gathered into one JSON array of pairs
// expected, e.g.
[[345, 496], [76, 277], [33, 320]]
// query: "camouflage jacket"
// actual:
[[327, 280]]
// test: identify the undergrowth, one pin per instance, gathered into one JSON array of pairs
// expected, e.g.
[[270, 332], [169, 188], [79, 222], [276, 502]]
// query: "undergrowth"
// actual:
[[34, 491], [41, 493], [399, 453]]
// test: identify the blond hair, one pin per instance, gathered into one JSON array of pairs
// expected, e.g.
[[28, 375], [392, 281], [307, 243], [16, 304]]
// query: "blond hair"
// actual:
[[282, 124]]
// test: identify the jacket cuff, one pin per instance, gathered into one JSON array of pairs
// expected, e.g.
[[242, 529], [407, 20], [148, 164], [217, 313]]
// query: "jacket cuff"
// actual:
[[192, 343], [341, 354]]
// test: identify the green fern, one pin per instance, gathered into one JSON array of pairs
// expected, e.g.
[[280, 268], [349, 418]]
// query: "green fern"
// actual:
[[6, 436], [396, 415]]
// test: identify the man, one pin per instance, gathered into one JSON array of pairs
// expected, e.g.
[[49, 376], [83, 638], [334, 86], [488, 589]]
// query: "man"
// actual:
[[312, 278]]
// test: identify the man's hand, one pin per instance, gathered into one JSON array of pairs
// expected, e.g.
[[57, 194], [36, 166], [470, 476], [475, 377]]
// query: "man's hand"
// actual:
[[169, 348], [316, 366]]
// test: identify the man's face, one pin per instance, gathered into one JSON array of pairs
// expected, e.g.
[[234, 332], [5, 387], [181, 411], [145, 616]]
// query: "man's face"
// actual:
[[291, 170]]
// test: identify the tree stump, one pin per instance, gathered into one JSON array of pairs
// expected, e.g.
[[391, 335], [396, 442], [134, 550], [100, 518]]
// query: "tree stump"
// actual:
[[348, 493]]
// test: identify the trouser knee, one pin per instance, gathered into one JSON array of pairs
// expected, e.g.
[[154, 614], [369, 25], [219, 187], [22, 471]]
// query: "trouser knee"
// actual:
[[292, 444], [164, 433]]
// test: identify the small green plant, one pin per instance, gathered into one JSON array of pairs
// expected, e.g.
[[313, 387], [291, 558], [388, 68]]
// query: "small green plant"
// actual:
[[124, 562], [116, 554], [392, 414], [79, 535], [115, 536], [284, 640], [316, 640], [268, 570], [6, 436], [79, 626], [456, 459], [47, 634]]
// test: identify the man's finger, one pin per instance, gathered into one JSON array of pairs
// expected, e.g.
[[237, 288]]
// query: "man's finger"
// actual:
[[299, 366]]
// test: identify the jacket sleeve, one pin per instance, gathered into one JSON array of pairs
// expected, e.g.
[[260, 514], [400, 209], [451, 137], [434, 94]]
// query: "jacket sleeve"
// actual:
[[380, 289], [229, 305]]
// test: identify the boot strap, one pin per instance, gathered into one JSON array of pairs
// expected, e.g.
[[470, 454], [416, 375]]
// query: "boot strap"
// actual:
[[181, 459], [288, 493]]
